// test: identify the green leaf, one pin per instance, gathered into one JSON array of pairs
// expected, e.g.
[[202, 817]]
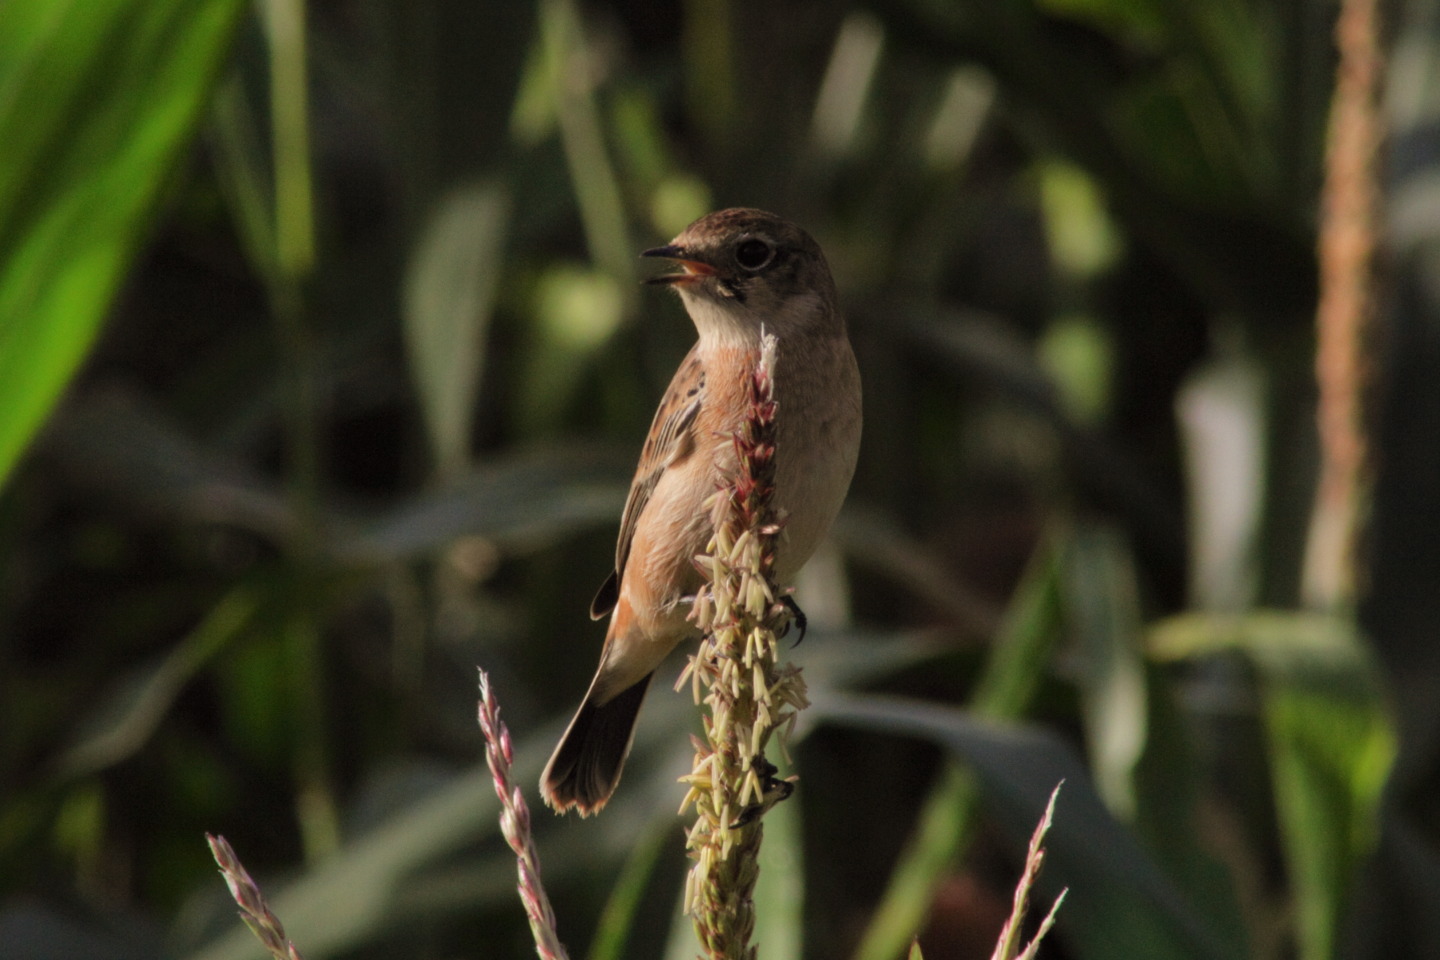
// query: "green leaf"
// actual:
[[449, 291], [565, 49], [574, 312], [527, 497], [617, 920], [1171, 791], [942, 831], [946, 822], [1331, 743], [131, 711], [1102, 603], [1120, 903], [780, 889], [139, 459], [98, 99]]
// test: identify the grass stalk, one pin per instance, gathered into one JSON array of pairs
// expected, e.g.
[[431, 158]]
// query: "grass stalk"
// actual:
[[515, 825], [749, 694], [253, 909]]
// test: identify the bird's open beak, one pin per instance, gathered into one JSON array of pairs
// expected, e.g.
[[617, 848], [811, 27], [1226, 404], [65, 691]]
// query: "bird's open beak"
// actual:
[[690, 270]]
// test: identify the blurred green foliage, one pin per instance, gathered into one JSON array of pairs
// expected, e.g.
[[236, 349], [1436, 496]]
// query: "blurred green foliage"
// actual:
[[375, 365], [96, 103]]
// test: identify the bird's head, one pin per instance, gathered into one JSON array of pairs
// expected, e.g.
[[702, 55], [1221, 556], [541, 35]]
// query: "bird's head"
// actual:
[[742, 268]]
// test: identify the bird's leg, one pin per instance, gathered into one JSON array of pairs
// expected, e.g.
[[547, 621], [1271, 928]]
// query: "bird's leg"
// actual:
[[796, 614], [774, 790]]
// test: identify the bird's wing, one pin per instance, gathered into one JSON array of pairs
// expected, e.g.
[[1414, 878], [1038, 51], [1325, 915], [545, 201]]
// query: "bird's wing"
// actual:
[[671, 439]]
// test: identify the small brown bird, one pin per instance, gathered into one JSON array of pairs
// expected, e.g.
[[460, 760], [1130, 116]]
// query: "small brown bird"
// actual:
[[741, 271]]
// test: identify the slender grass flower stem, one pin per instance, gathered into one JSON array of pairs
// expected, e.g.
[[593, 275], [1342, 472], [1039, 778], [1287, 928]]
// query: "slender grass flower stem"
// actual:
[[515, 825]]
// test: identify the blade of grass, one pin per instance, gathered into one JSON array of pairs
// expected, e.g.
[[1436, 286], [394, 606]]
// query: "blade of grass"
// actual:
[[130, 713], [449, 291], [1120, 903], [294, 257], [97, 103], [711, 83], [612, 932], [1103, 605], [290, 129], [780, 925], [597, 190], [1331, 745], [946, 822]]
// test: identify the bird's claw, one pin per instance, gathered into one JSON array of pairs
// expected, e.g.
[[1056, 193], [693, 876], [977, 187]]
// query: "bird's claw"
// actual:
[[773, 791], [797, 616]]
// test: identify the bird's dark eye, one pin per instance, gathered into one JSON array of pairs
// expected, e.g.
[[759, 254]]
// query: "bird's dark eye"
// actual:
[[754, 254]]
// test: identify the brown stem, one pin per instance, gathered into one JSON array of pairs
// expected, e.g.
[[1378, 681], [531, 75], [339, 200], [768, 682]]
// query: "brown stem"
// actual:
[[1344, 317]]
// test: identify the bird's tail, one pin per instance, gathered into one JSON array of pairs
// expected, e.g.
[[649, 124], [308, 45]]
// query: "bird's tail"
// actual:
[[585, 768]]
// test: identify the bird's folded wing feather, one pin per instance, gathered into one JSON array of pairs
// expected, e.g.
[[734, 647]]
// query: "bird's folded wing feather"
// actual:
[[671, 439]]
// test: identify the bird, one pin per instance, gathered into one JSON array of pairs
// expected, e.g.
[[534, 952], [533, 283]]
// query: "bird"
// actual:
[[742, 273]]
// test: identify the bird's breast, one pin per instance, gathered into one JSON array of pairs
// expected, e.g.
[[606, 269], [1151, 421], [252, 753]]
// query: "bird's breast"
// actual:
[[819, 423]]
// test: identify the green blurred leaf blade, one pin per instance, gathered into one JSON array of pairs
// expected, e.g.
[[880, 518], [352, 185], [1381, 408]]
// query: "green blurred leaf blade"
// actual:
[[1331, 744], [130, 711], [97, 102], [449, 292], [1120, 902], [947, 819], [1103, 603], [779, 924]]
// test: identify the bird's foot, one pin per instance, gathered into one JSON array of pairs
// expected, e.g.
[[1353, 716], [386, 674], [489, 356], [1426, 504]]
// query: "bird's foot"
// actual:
[[773, 791], [797, 616]]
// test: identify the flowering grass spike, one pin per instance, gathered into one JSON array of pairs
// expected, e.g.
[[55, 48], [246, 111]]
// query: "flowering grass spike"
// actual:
[[515, 825], [737, 674], [253, 908]]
